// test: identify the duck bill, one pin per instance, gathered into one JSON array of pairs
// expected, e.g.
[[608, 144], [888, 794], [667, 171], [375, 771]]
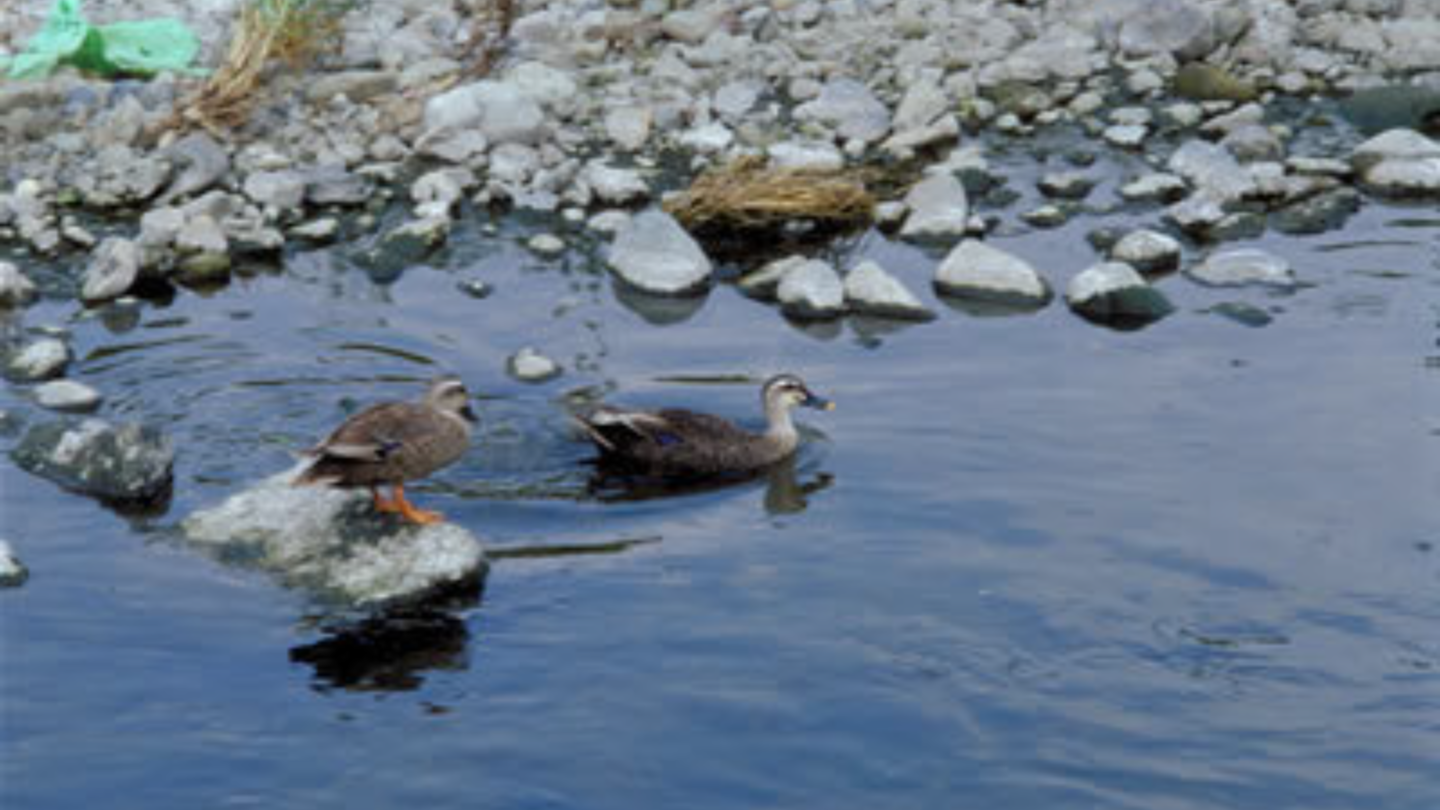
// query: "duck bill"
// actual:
[[818, 403], [469, 415]]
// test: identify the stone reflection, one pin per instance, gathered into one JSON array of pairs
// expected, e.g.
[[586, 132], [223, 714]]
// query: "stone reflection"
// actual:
[[391, 652]]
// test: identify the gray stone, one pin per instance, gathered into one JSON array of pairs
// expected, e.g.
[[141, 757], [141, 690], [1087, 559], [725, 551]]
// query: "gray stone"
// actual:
[[546, 244], [202, 234], [812, 290], [654, 254], [359, 86], [282, 191], [13, 573], [410, 242], [938, 207], [1399, 162], [764, 282], [16, 290], [119, 463], [159, 227], [629, 126], [320, 231], [501, 111], [1253, 142], [872, 291], [441, 188], [529, 365], [333, 185], [708, 139], [550, 86], [978, 271], [452, 146], [805, 155], [333, 544], [1068, 185], [1318, 213], [1147, 251], [691, 25], [1243, 266], [734, 99], [1197, 214], [43, 359], [1155, 186], [608, 222], [1126, 136], [1209, 167], [922, 104], [615, 186], [202, 163], [850, 108], [67, 396], [1114, 293], [1046, 216]]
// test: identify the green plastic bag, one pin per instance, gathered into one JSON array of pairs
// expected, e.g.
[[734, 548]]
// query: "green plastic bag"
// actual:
[[139, 48]]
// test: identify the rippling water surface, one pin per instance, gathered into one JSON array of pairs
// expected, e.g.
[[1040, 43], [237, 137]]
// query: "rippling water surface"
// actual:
[[1028, 563]]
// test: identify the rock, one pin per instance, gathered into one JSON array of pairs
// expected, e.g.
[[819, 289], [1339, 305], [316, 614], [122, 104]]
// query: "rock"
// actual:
[[67, 396], [281, 191], [440, 188], [1253, 142], [1210, 168], [764, 283], [1126, 136], [1155, 186], [848, 107], [13, 573], [546, 244], [978, 271], [1046, 216], [872, 291], [1198, 215], [529, 365], [452, 147], [1399, 162], [1243, 266], [608, 222], [408, 243], [126, 463], [654, 254], [332, 543], [501, 112], [549, 86], [16, 290], [43, 359], [1318, 214], [709, 139], [734, 99], [690, 25], [1201, 82], [1241, 313], [359, 86], [475, 288], [1180, 28], [113, 268], [629, 126], [202, 234], [938, 207], [320, 231], [1067, 185], [208, 269], [812, 290], [333, 185], [805, 155], [1113, 293], [1147, 251], [202, 163], [615, 186]]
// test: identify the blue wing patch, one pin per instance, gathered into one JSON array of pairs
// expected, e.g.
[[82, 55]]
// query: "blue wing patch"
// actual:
[[667, 439]]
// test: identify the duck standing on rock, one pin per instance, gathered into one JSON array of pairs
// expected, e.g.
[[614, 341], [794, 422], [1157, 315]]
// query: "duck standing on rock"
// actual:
[[678, 443], [395, 442]]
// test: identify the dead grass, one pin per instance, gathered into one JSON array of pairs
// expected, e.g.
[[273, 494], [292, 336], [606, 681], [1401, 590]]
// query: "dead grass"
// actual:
[[747, 195], [292, 32]]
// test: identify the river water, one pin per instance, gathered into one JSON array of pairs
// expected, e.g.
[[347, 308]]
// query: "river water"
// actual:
[[1029, 562]]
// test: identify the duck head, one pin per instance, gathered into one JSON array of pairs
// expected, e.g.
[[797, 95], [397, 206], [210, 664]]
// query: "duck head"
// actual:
[[448, 395], [785, 391]]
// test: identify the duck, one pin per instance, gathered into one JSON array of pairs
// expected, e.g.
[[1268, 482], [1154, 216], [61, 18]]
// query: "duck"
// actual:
[[680, 443], [392, 443]]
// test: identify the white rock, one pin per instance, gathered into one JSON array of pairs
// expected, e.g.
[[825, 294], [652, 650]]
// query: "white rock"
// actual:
[[734, 99], [113, 268], [1394, 144], [764, 282], [812, 290], [629, 126], [1243, 266], [1155, 186], [616, 186], [977, 270], [871, 290], [68, 396], [938, 208], [13, 573], [1210, 168], [501, 111], [654, 254], [42, 359], [547, 85], [281, 190], [608, 222], [546, 244], [850, 108], [202, 234], [16, 290], [805, 155], [1115, 292], [708, 139], [1147, 251], [332, 543], [529, 365], [1126, 136]]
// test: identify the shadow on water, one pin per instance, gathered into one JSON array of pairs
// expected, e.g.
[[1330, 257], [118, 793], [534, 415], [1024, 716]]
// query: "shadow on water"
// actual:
[[391, 652], [785, 492]]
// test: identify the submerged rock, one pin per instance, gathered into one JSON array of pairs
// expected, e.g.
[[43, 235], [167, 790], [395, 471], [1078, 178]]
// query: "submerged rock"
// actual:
[[654, 254], [13, 573], [977, 270], [126, 463], [1114, 293], [68, 396], [871, 291], [1244, 266], [333, 543]]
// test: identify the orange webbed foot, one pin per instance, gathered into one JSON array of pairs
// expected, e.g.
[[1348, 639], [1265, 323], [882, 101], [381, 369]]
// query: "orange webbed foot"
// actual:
[[413, 514]]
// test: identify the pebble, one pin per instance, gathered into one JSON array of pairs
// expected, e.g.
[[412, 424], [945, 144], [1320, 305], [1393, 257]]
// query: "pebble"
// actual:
[[16, 289], [67, 396], [530, 366], [1147, 251], [13, 573], [546, 244], [42, 359]]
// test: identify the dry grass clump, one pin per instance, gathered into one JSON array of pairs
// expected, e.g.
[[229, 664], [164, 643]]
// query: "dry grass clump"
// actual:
[[294, 32], [746, 195]]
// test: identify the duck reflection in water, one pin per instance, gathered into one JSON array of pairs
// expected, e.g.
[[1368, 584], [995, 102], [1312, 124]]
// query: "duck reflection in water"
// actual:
[[785, 491]]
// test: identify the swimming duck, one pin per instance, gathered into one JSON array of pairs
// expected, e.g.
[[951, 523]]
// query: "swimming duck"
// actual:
[[395, 442], [681, 443]]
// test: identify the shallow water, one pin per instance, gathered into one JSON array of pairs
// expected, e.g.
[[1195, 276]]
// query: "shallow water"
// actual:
[[1028, 563]]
